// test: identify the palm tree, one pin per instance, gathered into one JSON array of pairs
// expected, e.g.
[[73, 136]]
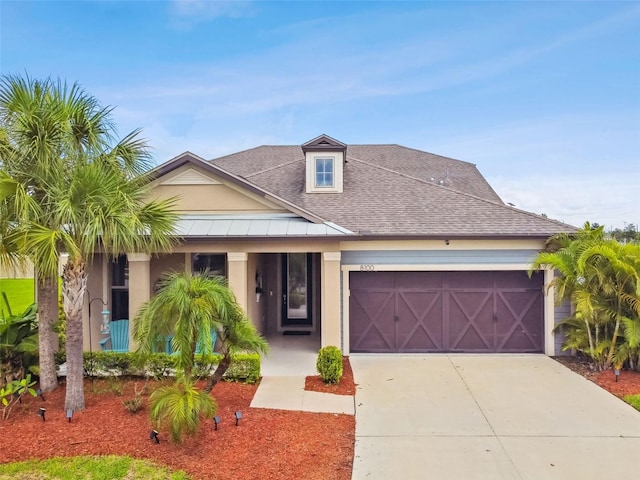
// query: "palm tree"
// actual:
[[82, 197], [42, 124], [190, 306], [562, 253]]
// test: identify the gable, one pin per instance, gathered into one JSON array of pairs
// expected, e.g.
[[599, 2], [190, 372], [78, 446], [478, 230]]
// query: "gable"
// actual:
[[199, 191]]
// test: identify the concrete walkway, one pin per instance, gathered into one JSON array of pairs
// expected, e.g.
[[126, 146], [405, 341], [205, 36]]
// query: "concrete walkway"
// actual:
[[487, 417], [291, 359]]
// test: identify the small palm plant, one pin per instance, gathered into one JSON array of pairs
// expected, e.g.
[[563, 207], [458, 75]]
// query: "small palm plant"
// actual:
[[180, 408]]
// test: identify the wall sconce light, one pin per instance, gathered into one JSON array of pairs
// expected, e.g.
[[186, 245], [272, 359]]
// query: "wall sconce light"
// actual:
[[238, 417], [69, 415], [41, 413], [616, 372], [216, 421], [154, 436], [446, 242]]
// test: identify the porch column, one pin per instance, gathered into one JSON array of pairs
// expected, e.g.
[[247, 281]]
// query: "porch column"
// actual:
[[139, 286], [549, 314], [330, 331], [237, 275]]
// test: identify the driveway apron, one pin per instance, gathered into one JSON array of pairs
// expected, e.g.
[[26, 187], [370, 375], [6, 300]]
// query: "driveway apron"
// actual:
[[487, 417]]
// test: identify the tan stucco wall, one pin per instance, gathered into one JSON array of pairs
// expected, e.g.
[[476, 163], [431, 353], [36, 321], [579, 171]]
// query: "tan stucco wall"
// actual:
[[97, 288], [210, 197], [166, 263]]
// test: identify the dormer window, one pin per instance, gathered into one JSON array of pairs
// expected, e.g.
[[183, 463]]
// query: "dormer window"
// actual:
[[324, 172], [324, 158]]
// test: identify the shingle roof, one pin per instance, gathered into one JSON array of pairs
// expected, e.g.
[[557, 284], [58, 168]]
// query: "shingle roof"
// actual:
[[390, 190]]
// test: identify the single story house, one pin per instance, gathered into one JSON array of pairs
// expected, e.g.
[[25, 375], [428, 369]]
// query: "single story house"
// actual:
[[376, 248]]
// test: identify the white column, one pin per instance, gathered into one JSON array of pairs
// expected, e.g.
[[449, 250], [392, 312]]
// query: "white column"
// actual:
[[139, 286], [330, 329], [549, 314], [237, 276]]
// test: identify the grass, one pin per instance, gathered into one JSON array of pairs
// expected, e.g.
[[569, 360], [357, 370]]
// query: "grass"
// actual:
[[95, 468], [633, 400], [20, 293]]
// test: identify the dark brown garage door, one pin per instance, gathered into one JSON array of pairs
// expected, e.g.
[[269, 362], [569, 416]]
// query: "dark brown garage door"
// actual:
[[446, 312]]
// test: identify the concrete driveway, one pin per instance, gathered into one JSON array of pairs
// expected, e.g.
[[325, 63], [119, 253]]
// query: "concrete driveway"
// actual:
[[487, 417]]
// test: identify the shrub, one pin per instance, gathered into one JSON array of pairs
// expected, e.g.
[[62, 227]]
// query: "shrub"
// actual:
[[329, 364], [633, 400], [245, 367], [134, 404]]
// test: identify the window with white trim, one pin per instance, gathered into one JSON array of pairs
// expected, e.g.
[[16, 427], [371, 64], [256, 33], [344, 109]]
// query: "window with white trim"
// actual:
[[324, 173]]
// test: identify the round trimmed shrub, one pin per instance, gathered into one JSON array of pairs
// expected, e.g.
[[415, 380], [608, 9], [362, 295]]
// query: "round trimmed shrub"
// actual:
[[329, 364]]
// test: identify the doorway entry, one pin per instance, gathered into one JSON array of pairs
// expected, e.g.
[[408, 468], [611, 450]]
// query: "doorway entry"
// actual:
[[297, 290]]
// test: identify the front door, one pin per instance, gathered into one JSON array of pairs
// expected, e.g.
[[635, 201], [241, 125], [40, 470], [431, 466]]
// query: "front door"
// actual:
[[296, 290]]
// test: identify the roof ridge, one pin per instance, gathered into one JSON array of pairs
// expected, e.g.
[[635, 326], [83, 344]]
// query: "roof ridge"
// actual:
[[453, 190]]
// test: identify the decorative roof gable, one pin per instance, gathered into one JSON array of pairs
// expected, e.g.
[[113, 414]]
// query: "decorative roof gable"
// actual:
[[324, 143]]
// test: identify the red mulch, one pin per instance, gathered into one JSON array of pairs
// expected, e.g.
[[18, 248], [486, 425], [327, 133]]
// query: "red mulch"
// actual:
[[345, 387], [628, 382], [268, 444]]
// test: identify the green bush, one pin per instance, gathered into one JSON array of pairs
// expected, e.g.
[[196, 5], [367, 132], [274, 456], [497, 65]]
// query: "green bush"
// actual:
[[633, 400], [329, 364], [245, 367]]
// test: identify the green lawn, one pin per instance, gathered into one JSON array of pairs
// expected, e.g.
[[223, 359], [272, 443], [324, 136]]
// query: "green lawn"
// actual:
[[20, 293], [94, 468]]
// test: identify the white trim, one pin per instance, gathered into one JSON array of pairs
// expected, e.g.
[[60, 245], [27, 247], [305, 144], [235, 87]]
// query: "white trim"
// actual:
[[453, 267], [549, 313], [331, 256]]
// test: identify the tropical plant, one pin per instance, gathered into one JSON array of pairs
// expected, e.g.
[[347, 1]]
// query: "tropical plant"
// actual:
[[74, 193], [190, 306], [602, 279], [18, 344], [180, 408], [13, 392]]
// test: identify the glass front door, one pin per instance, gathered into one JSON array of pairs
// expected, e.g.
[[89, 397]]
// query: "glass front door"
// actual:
[[296, 290]]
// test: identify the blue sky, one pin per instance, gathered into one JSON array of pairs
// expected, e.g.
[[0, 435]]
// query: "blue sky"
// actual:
[[544, 97]]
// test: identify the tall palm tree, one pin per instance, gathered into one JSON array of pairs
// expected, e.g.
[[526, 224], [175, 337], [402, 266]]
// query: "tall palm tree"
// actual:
[[81, 195], [43, 123]]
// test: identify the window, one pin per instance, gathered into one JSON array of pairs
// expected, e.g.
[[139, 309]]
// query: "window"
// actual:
[[215, 264], [324, 172], [120, 288]]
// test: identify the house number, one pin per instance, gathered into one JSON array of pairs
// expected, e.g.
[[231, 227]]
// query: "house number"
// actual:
[[367, 268]]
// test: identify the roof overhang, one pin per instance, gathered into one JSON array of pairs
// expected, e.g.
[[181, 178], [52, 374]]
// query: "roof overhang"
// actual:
[[246, 226]]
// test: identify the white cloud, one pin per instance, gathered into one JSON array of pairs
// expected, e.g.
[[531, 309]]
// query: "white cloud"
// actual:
[[607, 199], [188, 13]]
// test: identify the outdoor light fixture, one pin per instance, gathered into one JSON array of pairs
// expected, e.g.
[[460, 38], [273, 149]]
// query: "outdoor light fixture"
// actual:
[[238, 417], [154, 436], [216, 421], [41, 413], [39, 394], [616, 372], [69, 415]]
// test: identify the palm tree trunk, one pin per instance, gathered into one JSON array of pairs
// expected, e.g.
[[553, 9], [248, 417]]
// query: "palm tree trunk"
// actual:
[[614, 338], [47, 296], [219, 372], [74, 285]]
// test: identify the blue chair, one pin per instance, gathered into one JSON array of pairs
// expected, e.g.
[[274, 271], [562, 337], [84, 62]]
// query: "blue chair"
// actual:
[[118, 336], [169, 338]]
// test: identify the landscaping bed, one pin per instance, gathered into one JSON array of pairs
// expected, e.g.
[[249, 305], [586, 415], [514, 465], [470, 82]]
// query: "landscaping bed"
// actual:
[[267, 444], [628, 382], [346, 386]]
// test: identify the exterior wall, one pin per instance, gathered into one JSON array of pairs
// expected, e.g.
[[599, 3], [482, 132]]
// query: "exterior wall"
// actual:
[[208, 194], [561, 312], [164, 264], [98, 293], [256, 306]]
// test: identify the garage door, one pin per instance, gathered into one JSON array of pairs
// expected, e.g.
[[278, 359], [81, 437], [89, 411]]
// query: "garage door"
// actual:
[[445, 312]]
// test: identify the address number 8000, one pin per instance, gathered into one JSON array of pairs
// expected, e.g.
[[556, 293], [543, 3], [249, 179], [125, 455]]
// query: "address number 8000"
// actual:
[[367, 268]]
